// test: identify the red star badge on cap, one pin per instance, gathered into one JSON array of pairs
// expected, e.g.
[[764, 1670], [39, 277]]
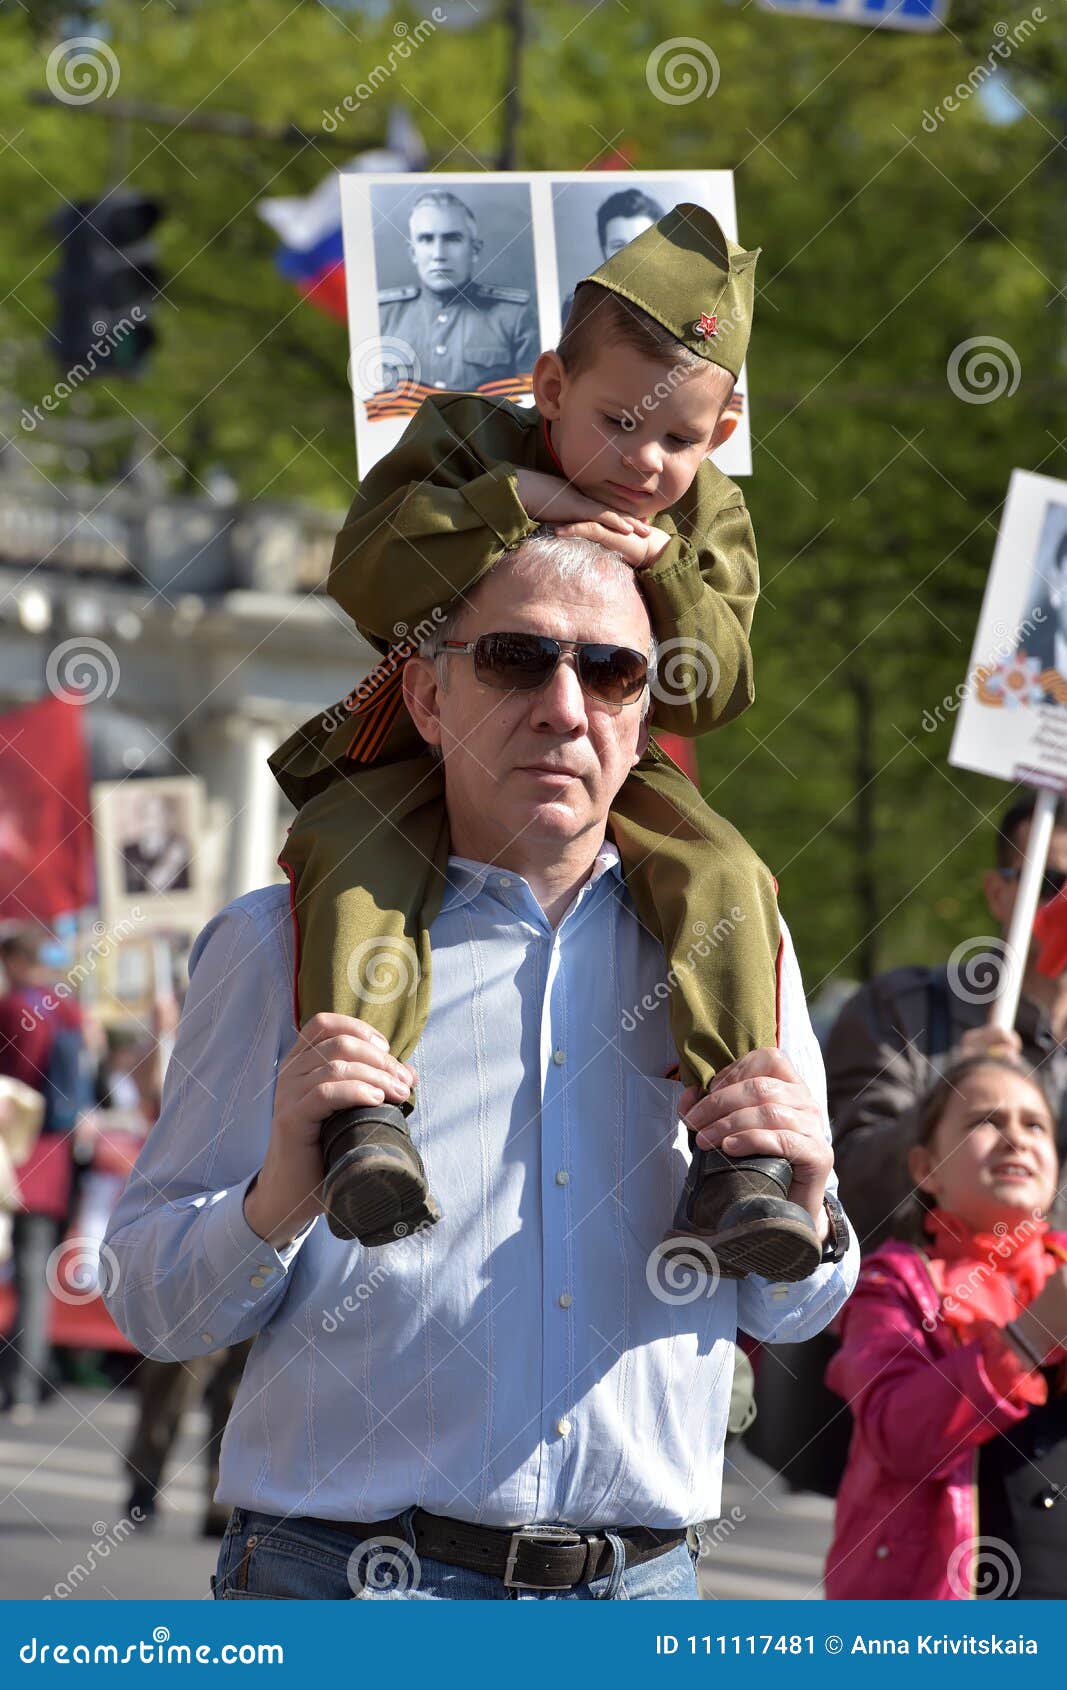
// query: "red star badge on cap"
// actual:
[[705, 326]]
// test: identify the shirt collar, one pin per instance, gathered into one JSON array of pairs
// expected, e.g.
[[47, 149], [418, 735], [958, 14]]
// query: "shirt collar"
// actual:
[[468, 879]]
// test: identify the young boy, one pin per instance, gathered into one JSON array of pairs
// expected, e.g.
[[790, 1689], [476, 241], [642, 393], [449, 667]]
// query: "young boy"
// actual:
[[628, 408]]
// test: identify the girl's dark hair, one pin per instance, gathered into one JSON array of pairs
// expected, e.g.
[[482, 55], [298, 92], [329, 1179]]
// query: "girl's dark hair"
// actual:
[[908, 1222]]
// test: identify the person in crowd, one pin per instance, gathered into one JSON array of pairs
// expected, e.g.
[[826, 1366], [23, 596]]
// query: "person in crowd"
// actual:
[[514, 1398], [42, 1044], [953, 1360], [881, 1052]]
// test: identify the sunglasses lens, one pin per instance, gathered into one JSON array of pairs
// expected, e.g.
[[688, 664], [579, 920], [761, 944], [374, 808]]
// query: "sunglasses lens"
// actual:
[[1052, 882], [522, 662], [613, 673], [519, 661]]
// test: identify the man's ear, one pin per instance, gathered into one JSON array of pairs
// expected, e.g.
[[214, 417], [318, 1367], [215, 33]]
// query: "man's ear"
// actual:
[[422, 690], [548, 378]]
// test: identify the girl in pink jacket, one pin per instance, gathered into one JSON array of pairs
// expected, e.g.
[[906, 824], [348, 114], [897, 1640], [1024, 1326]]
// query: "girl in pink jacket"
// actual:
[[953, 1362]]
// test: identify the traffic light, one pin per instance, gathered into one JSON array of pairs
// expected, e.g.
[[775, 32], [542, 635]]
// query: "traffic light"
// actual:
[[108, 268]]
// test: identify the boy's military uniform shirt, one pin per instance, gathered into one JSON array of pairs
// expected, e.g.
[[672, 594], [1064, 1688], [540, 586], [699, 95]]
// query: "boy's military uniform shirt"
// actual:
[[443, 506], [477, 334]]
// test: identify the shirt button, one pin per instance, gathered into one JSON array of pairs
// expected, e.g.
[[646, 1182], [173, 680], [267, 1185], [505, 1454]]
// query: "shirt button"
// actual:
[[563, 1426], [562, 1176], [882, 1551], [565, 1299], [439, 384], [206, 1338], [257, 1280], [440, 348], [442, 317], [559, 1057], [504, 882]]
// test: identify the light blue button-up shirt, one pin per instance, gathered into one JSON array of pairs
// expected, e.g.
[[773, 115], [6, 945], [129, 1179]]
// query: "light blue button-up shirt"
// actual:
[[521, 1360]]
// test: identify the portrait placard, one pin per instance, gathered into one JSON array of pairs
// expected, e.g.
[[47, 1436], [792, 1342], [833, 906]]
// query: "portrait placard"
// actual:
[[1012, 719], [455, 283], [149, 863]]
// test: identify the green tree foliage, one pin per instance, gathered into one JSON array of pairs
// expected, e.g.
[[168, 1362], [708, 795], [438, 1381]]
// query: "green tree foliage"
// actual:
[[893, 229]]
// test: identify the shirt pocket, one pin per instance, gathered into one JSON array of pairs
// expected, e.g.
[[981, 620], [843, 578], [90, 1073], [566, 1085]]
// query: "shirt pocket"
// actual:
[[487, 357], [656, 1157]]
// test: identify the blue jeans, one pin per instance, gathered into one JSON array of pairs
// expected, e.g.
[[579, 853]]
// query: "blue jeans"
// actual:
[[267, 1557]]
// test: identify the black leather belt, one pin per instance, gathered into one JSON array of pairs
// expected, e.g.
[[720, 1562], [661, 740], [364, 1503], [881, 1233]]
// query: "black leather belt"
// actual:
[[530, 1557]]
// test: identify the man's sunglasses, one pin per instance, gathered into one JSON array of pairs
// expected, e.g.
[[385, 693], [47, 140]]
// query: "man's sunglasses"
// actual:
[[1052, 881], [612, 674]]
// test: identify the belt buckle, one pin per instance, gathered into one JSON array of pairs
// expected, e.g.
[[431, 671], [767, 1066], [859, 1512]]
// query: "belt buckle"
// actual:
[[552, 1534]]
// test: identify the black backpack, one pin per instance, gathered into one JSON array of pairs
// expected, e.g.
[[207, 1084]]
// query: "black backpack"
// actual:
[[803, 1429]]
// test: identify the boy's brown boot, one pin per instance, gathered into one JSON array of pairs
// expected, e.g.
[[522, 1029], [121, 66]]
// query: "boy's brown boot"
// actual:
[[738, 1208], [375, 1186]]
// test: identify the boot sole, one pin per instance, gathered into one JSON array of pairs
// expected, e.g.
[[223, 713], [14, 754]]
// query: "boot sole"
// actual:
[[781, 1250], [371, 1191]]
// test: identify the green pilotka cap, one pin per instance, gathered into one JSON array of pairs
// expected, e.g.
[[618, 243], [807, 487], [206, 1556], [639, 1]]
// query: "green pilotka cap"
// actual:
[[688, 275]]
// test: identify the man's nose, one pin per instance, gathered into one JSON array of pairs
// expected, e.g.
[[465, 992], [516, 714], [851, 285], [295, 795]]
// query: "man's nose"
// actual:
[[560, 703]]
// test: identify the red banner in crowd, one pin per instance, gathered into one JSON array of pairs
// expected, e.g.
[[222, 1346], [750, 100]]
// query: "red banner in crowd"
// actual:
[[46, 836]]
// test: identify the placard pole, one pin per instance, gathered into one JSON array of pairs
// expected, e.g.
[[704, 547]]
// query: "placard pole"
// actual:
[[1022, 918]]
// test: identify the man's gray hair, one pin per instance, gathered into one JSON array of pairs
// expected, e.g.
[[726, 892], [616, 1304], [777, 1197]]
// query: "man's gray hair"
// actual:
[[572, 562]]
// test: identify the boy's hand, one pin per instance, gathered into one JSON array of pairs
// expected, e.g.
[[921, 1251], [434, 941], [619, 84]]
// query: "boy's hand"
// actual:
[[639, 550], [551, 499], [759, 1106]]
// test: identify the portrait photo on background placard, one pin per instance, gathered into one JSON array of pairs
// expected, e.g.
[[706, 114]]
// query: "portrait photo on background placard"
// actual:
[[456, 288], [1012, 704], [148, 835], [596, 213]]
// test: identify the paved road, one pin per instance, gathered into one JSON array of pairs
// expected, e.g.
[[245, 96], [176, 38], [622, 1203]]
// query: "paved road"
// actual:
[[63, 1530]]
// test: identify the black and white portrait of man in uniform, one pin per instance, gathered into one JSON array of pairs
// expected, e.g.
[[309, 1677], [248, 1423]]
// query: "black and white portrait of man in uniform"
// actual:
[[1045, 636], [463, 334], [619, 220]]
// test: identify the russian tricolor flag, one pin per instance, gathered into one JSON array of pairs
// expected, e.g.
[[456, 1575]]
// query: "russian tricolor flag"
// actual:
[[312, 253]]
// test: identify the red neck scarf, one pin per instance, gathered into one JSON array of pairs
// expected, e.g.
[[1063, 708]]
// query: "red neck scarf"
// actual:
[[986, 1275]]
